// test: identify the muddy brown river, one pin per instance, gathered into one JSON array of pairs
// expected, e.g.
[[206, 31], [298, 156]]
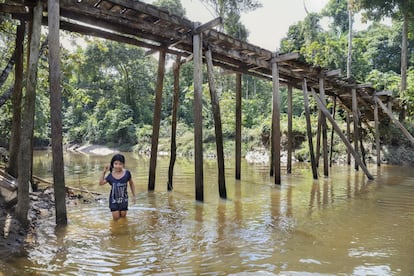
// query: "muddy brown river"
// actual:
[[341, 225]]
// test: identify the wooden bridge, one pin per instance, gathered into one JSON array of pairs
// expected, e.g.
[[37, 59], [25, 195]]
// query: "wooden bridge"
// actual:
[[144, 25]]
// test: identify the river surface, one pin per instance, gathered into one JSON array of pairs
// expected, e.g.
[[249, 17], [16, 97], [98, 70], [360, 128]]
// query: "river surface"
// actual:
[[341, 225]]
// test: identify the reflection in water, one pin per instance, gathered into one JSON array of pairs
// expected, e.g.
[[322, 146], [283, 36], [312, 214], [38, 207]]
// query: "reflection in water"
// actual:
[[343, 225]]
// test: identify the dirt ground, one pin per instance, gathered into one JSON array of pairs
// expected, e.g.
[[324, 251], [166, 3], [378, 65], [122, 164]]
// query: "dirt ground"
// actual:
[[15, 239]]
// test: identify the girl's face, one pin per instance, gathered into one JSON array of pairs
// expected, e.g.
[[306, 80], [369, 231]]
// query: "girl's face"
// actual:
[[118, 166]]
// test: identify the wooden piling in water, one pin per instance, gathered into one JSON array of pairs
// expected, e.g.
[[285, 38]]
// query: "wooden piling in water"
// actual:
[[377, 139], [332, 133], [276, 120], [198, 117], [290, 135], [174, 112], [341, 135], [355, 121], [309, 130], [156, 120], [215, 105], [238, 125], [324, 130]]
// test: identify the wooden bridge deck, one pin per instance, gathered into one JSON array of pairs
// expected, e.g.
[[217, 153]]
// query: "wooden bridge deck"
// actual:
[[147, 26]]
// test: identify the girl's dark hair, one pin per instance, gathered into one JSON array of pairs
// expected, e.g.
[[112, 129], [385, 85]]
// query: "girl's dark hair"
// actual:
[[116, 157]]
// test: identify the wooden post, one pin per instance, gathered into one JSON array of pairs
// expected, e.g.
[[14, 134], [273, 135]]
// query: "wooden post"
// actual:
[[348, 136], [174, 111], [198, 117], [356, 118], [377, 139], [17, 101], [332, 134], [272, 153], [276, 120], [341, 135], [238, 124], [318, 139], [290, 135], [215, 105], [56, 112], [156, 120], [26, 138], [309, 130], [324, 130]]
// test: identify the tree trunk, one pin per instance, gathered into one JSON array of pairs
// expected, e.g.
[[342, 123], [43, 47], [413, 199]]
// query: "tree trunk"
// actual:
[[26, 150], [16, 101], [349, 56], [404, 62]]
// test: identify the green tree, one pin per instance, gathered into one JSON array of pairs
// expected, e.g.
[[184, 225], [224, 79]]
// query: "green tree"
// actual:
[[172, 6], [398, 10]]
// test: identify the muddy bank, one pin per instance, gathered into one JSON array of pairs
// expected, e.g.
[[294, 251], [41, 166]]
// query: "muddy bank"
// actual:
[[15, 240]]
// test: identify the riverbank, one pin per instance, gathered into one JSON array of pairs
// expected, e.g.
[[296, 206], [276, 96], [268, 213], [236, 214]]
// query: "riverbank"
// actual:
[[14, 238]]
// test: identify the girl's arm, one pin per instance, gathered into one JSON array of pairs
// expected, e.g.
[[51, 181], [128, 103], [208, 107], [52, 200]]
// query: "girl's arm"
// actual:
[[132, 186], [102, 179]]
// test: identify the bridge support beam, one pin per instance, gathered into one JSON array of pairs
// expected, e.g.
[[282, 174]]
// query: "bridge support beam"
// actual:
[[290, 135], [276, 120], [198, 116], [174, 115], [156, 120], [309, 130], [217, 125], [324, 130], [238, 124], [355, 154]]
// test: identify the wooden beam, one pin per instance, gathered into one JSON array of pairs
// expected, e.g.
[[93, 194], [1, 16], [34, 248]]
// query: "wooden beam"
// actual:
[[383, 93], [286, 57], [341, 135], [14, 9], [209, 25], [333, 73], [150, 10], [395, 120]]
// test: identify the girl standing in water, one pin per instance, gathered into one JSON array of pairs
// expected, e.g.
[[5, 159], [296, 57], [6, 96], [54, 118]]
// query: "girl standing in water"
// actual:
[[118, 178]]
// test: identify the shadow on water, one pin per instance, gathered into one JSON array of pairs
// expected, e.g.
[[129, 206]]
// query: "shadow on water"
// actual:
[[344, 224]]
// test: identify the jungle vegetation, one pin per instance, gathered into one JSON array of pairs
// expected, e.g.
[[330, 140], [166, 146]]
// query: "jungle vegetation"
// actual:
[[108, 88]]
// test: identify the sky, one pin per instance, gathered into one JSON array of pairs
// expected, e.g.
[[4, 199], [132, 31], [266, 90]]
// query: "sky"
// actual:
[[267, 25]]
